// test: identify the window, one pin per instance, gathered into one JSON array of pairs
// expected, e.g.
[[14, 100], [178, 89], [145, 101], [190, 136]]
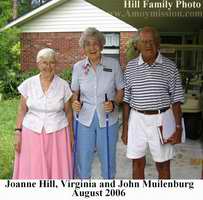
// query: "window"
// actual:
[[112, 40]]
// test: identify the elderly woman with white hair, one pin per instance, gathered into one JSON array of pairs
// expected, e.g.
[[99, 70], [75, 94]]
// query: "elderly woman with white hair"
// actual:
[[44, 124], [93, 77]]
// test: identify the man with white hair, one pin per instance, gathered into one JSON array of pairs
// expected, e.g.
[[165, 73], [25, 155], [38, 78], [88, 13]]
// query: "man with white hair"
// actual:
[[152, 90]]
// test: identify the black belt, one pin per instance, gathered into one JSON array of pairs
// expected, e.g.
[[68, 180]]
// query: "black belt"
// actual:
[[152, 112]]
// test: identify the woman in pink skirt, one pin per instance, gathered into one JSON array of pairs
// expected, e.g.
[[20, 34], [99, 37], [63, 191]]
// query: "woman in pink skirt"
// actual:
[[44, 133]]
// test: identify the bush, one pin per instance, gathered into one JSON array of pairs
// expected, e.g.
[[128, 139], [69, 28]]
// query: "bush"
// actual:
[[8, 87], [131, 52], [10, 73], [66, 74], [9, 61]]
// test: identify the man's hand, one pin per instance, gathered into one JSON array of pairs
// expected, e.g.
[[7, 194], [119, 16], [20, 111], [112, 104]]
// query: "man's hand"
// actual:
[[124, 136], [176, 137], [126, 113]]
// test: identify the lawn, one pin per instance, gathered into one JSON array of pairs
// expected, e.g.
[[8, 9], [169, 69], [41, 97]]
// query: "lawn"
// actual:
[[8, 112]]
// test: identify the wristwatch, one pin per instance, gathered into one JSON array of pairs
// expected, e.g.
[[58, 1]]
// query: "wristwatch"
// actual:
[[178, 126], [18, 129]]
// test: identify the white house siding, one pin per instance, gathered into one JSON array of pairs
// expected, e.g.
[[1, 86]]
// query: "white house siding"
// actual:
[[75, 16]]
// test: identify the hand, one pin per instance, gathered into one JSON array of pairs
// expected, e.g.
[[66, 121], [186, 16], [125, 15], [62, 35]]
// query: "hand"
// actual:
[[76, 105], [108, 106], [17, 142], [124, 136], [124, 67], [176, 137]]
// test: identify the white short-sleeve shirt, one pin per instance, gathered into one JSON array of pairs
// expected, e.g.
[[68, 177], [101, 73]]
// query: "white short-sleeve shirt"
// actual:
[[45, 110]]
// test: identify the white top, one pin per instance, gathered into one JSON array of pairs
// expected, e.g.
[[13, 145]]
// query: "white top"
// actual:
[[45, 110]]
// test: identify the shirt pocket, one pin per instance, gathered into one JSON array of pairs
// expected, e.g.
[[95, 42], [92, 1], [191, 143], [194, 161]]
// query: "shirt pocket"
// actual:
[[107, 85], [107, 81]]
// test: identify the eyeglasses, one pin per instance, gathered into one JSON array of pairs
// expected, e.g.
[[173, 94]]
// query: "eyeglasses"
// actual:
[[147, 42]]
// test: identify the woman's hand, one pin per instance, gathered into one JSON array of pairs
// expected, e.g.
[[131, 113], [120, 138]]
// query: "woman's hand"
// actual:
[[108, 106], [17, 142], [22, 110], [76, 105]]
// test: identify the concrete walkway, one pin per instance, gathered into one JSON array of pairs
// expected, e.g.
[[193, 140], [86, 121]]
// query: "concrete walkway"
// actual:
[[186, 165]]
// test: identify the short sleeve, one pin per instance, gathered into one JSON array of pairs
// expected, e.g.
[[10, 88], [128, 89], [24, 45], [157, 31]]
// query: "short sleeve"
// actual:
[[23, 88], [175, 88], [127, 90], [75, 79], [68, 92], [119, 78]]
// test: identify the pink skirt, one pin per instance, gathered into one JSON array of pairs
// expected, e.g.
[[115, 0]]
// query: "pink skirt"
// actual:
[[44, 156]]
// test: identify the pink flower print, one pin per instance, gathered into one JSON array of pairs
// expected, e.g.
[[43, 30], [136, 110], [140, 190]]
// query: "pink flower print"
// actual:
[[86, 68]]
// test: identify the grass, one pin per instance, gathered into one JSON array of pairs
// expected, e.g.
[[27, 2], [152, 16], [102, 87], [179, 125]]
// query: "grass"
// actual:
[[8, 113]]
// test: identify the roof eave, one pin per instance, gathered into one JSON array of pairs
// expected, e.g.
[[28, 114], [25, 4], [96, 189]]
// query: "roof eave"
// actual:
[[38, 11]]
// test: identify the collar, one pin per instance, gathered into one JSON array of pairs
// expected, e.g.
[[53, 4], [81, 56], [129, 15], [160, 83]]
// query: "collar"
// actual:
[[88, 63], [52, 86], [158, 60]]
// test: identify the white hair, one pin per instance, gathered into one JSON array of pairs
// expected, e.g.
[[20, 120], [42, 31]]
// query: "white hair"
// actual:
[[45, 53], [151, 30], [92, 32]]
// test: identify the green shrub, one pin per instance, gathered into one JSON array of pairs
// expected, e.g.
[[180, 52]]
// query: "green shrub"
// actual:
[[131, 52], [66, 74], [9, 61], [8, 86], [12, 79]]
